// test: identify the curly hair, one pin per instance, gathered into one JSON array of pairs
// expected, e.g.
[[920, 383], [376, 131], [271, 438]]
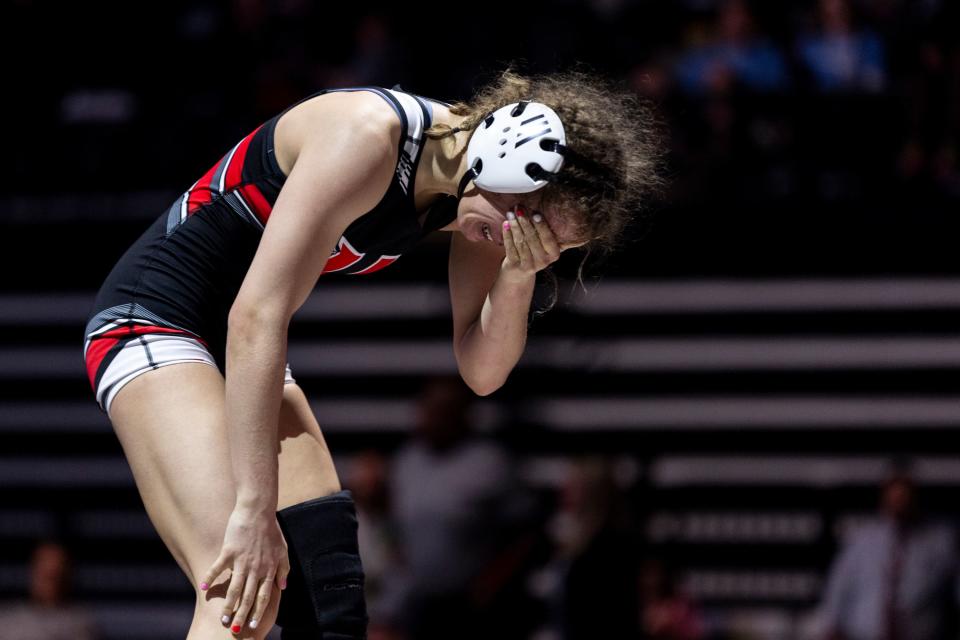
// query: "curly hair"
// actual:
[[614, 135]]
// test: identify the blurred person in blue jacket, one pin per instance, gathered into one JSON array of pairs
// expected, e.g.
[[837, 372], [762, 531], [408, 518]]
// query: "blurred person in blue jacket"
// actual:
[[838, 56], [736, 54]]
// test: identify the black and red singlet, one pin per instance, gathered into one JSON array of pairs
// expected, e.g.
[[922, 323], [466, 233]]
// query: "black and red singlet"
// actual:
[[182, 275]]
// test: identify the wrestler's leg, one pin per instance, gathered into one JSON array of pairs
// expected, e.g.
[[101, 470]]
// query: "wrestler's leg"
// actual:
[[306, 469], [325, 592], [170, 423]]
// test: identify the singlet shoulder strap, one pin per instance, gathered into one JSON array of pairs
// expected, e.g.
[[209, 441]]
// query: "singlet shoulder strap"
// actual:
[[414, 111], [415, 117]]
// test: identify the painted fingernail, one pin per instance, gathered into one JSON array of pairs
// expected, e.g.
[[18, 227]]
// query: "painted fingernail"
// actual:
[[225, 619], [537, 217], [506, 225], [510, 216], [204, 586], [253, 624], [235, 628], [520, 210]]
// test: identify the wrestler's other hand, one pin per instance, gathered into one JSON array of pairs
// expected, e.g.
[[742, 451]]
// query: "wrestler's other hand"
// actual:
[[256, 553]]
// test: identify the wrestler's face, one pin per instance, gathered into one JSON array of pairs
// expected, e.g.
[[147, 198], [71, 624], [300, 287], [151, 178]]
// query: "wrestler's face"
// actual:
[[480, 209]]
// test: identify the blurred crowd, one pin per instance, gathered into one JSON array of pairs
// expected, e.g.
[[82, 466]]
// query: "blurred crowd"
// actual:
[[766, 103], [793, 109], [456, 540], [453, 538]]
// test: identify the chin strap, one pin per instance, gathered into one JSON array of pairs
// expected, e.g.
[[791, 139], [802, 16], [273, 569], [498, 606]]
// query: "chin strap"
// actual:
[[471, 174]]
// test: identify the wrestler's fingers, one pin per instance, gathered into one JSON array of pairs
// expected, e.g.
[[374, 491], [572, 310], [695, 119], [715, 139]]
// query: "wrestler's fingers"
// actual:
[[522, 245], [538, 252], [246, 602], [545, 233], [512, 255], [263, 599]]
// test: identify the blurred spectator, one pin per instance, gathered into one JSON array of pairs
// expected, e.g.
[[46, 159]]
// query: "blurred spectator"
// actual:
[[839, 57], [735, 54], [929, 59], [667, 613], [459, 507], [48, 614], [595, 563], [651, 79], [379, 59], [896, 578], [376, 58], [367, 480]]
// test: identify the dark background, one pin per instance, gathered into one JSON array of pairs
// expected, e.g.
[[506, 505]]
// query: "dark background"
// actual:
[[806, 206]]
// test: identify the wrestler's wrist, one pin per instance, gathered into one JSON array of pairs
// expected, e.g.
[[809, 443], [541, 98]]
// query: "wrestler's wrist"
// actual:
[[518, 278], [254, 502]]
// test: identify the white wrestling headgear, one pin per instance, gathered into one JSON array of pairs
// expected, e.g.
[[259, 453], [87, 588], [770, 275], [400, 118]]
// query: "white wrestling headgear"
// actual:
[[516, 149]]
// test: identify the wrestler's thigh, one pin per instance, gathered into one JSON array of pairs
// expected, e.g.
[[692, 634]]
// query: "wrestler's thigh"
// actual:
[[170, 423], [306, 468]]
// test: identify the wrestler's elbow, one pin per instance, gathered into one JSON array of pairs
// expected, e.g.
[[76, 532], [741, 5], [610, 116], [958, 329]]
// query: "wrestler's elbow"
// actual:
[[244, 318], [480, 382], [483, 388]]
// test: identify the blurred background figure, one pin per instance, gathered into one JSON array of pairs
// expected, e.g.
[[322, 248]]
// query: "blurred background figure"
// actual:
[[839, 56], [927, 58], [803, 262], [594, 564], [377, 535], [48, 613], [734, 54], [461, 513], [896, 578], [667, 612], [377, 58]]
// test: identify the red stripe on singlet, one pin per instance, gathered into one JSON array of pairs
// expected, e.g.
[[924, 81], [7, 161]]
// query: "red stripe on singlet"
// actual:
[[260, 205], [235, 170], [203, 191], [143, 329], [96, 352], [345, 256]]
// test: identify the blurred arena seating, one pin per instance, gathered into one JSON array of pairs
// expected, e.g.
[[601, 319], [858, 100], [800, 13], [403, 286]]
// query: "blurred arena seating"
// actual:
[[783, 328], [754, 417]]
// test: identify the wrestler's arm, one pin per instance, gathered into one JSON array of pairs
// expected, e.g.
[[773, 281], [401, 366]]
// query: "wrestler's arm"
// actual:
[[491, 288], [344, 164], [489, 315]]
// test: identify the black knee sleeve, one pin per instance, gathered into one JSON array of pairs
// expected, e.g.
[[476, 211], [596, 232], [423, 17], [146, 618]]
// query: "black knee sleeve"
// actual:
[[324, 598]]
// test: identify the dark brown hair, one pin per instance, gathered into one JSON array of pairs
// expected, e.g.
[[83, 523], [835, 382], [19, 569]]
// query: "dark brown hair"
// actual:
[[614, 134]]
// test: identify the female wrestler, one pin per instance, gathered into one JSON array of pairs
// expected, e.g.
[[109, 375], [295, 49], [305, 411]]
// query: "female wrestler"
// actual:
[[187, 340]]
